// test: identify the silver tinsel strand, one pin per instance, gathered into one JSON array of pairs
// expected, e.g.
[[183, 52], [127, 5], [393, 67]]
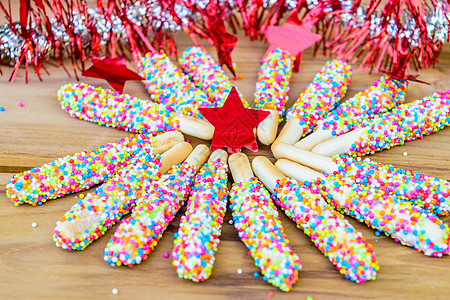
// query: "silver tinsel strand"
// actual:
[[11, 44]]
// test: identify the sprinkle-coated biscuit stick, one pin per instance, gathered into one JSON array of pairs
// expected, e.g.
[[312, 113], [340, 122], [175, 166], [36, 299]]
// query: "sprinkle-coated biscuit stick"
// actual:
[[259, 227], [138, 235], [93, 215], [198, 235]]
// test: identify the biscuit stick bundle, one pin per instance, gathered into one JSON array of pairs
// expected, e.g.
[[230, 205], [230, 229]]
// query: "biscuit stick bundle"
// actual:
[[167, 84], [404, 221], [81, 171], [404, 123], [94, 214], [122, 111], [383, 95], [137, 235], [198, 235], [259, 227], [330, 232]]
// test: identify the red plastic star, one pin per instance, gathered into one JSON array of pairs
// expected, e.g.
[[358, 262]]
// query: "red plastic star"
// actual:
[[234, 124], [293, 36], [113, 70]]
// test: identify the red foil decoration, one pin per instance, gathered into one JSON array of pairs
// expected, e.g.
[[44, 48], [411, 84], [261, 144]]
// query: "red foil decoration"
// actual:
[[234, 124], [113, 70]]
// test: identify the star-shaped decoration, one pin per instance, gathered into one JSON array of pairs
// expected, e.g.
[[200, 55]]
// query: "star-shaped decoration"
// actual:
[[293, 36], [113, 70], [233, 124]]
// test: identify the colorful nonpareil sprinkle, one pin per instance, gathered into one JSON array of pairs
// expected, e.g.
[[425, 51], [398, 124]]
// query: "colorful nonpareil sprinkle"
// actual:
[[198, 235], [330, 232], [403, 221], [404, 123], [74, 173], [91, 217], [138, 235], [112, 109], [430, 193], [383, 95], [272, 87], [207, 75], [322, 94], [166, 84], [259, 227]]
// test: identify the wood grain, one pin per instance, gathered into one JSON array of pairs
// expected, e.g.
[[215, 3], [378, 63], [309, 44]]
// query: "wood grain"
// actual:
[[32, 267]]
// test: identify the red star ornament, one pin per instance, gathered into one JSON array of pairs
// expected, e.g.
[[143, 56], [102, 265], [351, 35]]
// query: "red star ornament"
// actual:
[[113, 70], [233, 124], [293, 36]]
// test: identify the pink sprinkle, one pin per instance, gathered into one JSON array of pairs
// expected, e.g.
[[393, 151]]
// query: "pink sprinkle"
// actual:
[[270, 294], [166, 255], [20, 104], [188, 140]]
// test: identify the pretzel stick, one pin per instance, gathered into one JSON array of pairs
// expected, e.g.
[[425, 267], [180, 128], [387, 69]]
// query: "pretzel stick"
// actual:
[[329, 230], [404, 123], [81, 171], [259, 227], [403, 221], [92, 216], [138, 235], [198, 235], [383, 95]]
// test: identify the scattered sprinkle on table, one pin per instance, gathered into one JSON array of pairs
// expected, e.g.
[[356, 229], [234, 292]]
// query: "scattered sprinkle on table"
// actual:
[[239, 271], [34, 224], [405, 153], [115, 291]]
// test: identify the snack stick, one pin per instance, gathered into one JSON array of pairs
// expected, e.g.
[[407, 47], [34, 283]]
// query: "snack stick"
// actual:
[[294, 170], [383, 95], [81, 171], [430, 193], [197, 239], [167, 84], [111, 109], [320, 96], [207, 75], [403, 221], [404, 123], [138, 235], [315, 161], [332, 234], [94, 214], [259, 227], [272, 91]]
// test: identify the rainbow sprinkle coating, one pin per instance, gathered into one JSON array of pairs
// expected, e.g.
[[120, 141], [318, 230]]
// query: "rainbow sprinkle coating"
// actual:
[[74, 173], [112, 109], [259, 228], [168, 85], [92, 216], [207, 75], [138, 235], [404, 123], [272, 87], [198, 235], [383, 95], [406, 223], [322, 94], [328, 229], [430, 193]]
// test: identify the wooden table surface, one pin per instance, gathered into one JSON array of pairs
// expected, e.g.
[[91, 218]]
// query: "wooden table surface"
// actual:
[[31, 266]]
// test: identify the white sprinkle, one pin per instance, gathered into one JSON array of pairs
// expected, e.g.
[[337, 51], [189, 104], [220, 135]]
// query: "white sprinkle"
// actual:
[[34, 224], [115, 291], [405, 153], [230, 222], [239, 271]]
